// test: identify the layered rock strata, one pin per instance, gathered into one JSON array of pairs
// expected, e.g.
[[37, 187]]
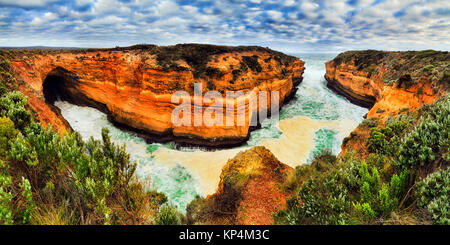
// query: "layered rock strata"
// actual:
[[387, 83], [134, 85]]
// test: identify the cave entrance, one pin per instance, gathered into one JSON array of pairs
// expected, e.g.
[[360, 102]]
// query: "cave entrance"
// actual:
[[54, 85], [63, 85]]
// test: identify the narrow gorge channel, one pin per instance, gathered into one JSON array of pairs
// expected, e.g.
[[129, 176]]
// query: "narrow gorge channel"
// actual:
[[315, 119]]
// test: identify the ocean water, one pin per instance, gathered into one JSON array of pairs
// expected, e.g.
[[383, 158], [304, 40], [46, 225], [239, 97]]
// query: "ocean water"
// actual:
[[314, 100], [180, 181]]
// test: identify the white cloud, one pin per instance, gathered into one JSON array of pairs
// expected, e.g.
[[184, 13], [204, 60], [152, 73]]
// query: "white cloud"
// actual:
[[108, 20], [37, 21], [26, 3], [313, 24], [290, 3], [166, 8], [82, 2], [275, 15]]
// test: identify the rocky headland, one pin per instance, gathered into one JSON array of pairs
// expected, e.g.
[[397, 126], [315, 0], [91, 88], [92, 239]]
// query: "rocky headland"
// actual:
[[134, 85], [254, 184], [387, 83], [248, 193]]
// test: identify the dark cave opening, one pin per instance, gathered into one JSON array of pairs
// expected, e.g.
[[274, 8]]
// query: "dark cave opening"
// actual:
[[56, 86], [52, 88]]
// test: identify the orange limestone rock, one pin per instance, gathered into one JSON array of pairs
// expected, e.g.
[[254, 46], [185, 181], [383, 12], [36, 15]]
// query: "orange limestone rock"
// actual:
[[249, 191], [134, 85], [387, 83]]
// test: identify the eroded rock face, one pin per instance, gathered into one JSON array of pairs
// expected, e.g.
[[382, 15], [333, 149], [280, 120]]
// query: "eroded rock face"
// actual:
[[134, 85], [249, 190], [345, 79], [371, 92], [387, 83]]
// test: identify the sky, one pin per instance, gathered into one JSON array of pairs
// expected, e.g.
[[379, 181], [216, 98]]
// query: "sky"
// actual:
[[285, 25]]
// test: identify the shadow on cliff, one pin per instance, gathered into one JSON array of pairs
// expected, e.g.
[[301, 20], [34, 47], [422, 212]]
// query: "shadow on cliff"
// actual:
[[53, 85]]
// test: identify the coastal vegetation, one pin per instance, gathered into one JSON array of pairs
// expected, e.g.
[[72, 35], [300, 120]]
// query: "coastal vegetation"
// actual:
[[49, 178], [402, 68], [404, 180], [46, 178]]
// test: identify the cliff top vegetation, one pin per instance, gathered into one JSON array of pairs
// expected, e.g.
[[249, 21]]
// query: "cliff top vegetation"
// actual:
[[196, 56], [405, 67]]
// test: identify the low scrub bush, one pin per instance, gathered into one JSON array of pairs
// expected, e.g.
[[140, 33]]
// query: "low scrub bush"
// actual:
[[377, 198], [12, 105], [429, 141], [252, 63], [433, 193], [385, 140], [168, 216], [323, 197], [370, 122], [41, 172]]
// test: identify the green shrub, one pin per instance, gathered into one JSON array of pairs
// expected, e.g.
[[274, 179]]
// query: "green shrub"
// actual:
[[21, 150], [2, 89], [379, 110], [386, 140], [15, 207], [319, 201], [7, 134], [12, 105], [430, 140], [370, 122], [370, 69], [28, 200], [325, 197], [378, 199], [377, 140], [323, 159], [252, 63], [93, 179], [6, 210], [168, 216], [428, 68], [433, 193]]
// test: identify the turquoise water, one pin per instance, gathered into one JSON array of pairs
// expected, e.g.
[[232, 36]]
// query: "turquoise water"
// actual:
[[312, 100], [177, 183], [324, 139]]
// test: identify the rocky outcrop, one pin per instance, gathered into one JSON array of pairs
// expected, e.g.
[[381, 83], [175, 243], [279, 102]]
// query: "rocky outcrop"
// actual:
[[249, 191], [387, 83], [134, 85], [353, 84]]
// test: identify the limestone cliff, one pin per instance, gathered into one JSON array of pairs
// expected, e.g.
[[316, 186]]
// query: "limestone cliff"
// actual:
[[249, 191], [134, 85], [387, 83]]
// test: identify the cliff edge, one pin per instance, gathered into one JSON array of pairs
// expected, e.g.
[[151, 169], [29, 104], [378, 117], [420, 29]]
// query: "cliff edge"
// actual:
[[387, 83], [134, 85], [249, 191]]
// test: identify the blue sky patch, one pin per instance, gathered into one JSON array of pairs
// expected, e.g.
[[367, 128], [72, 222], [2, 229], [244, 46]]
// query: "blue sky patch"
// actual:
[[285, 25]]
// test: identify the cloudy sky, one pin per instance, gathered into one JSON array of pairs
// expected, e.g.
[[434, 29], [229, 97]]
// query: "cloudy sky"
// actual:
[[286, 25]]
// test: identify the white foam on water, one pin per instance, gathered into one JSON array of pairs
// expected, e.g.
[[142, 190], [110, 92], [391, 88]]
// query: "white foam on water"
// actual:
[[175, 181]]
